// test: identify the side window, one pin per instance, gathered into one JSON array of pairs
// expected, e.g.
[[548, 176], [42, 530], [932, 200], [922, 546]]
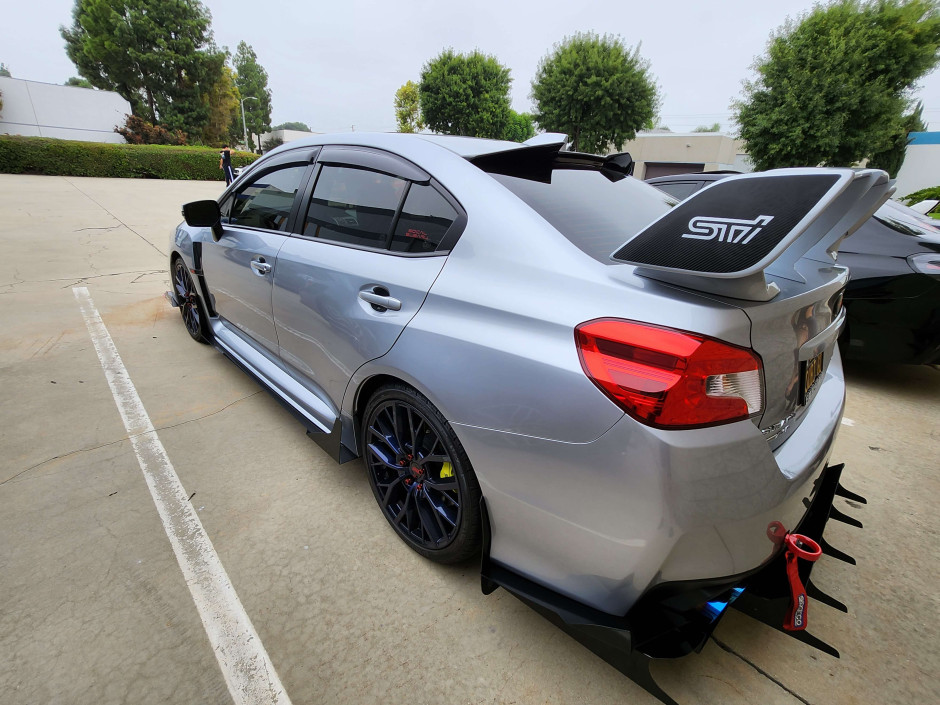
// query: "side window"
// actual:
[[355, 206], [266, 202], [424, 220], [226, 208]]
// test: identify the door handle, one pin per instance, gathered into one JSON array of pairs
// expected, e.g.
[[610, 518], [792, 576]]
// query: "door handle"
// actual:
[[260, 266], [380, 299]]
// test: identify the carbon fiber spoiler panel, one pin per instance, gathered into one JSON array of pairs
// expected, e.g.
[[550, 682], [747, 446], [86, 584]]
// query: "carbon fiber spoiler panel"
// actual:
[[733, 237]]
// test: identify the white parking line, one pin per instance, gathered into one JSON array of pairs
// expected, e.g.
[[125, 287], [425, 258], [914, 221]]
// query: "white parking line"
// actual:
[[247, 670]]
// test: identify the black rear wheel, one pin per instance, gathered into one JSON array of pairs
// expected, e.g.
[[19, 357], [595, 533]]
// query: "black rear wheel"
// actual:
[[191, 307], [420, 475]]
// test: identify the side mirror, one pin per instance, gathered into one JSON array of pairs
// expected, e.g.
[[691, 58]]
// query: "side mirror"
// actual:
[[204, 214]]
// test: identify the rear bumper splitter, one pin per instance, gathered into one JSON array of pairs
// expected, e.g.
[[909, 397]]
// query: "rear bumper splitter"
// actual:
[[675, 619]]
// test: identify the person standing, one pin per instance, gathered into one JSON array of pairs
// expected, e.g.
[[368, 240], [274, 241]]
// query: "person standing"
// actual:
[[225, 164]]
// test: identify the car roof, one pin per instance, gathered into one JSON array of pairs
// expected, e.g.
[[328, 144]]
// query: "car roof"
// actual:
[[467, 147]]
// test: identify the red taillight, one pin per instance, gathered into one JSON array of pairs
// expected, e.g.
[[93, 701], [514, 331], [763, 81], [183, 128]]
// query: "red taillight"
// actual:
[[667, 378]]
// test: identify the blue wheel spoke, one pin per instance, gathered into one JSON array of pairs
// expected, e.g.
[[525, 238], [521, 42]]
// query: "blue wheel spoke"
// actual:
[[388, 492], [429, 518], [446, 484], [434, 459], [383, 457], [439, 514]]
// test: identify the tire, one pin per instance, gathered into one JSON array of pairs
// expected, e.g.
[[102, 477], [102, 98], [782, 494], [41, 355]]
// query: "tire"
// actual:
[[190, 305], [420, 475]]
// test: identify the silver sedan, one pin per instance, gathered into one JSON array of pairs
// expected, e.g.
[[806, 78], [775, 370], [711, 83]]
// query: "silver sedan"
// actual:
[[626, 405]]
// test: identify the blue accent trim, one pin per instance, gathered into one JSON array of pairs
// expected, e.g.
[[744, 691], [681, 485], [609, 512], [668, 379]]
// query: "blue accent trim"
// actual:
[[713, 610], [925, 137]]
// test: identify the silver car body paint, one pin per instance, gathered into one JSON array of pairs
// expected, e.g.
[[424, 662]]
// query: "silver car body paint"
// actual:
[[242, 295], [326, 331], [582, 498]]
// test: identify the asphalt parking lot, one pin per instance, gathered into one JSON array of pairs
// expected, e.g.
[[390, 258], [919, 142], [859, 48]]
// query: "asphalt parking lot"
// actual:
[[95, 607]]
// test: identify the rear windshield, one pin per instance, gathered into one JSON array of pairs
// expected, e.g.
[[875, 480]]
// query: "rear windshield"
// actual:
[[597, 211]]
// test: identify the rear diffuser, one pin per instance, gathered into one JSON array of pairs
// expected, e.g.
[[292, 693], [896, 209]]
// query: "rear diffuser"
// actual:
[[675, 619]]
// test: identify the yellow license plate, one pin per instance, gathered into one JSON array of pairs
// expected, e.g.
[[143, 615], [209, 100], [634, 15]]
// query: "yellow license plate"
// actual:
[[810, 372]]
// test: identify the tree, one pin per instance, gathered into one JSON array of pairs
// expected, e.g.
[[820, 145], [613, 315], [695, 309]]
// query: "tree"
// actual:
[[222, 100], [714, 127], [157, 54], [78, 82], [299, 126], [656, 123], [595, 89], [252, 82], [892, 157], [138, 131], [408, 108], [465, 95], [271, 143], [521, 126], [833, 87]]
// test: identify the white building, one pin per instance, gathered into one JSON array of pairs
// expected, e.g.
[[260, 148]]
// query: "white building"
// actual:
[[667, 153], [921, 168], [38, 109]]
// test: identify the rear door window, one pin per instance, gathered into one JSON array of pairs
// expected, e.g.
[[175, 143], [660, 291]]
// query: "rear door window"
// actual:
[[354, 206], [425, 219]]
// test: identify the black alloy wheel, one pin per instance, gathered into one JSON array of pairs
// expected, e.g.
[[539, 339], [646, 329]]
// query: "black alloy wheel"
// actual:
[[421, 476], [189, 304]]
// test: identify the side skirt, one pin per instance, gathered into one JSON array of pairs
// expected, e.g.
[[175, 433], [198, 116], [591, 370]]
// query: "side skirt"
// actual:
[[325, 428]]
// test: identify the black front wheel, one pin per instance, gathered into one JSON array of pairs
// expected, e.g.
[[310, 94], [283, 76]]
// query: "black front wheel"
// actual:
[[190, 306], [421, 476]]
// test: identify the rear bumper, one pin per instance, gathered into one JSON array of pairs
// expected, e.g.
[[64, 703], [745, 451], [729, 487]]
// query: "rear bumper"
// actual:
[[605, 522], [675, 619]]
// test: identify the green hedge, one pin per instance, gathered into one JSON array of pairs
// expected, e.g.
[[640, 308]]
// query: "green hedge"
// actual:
[[40, 155], [932, 193]]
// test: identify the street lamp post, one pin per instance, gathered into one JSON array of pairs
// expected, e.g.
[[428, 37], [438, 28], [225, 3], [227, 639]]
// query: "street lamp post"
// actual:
[[244, 127]]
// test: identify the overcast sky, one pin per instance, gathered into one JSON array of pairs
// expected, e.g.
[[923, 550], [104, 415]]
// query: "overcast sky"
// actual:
[[335, 65]]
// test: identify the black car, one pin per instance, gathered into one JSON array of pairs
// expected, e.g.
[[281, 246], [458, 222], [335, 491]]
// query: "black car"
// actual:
[[893, 296]]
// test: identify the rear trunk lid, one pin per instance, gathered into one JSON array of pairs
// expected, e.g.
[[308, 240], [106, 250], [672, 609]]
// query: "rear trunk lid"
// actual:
[[766, 243], [795, 334]]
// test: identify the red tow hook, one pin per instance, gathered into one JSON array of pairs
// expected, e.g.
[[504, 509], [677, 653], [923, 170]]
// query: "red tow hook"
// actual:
[[798, 546]]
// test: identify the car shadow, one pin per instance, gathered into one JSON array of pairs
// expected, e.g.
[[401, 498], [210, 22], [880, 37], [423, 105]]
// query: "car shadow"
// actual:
[[913, 381]]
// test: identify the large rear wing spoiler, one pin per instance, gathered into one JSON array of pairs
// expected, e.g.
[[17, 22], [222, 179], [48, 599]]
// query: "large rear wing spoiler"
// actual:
[[733, 237]]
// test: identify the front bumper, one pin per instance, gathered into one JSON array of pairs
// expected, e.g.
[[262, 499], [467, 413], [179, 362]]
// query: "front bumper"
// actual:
[[674, 619]]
